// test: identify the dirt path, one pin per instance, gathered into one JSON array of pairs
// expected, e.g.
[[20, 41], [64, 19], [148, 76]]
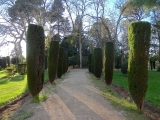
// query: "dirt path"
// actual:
[[75, 98]]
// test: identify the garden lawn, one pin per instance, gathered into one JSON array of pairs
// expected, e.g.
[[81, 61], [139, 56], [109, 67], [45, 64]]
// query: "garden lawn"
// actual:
[[153, 91], [11, 88]]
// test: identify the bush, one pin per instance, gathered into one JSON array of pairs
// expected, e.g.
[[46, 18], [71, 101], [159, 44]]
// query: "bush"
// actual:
[[92, 63], [98, 62], [124, 67], [60, 63], [35, 59], [15, 60], [22, 68], [158, 68], [108, 62], [139, 43], [84, 61], [52, 60]]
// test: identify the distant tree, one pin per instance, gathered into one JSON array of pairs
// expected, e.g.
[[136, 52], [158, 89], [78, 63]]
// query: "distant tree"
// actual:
[[57, 15], [53, 59], [60, 63], [98, 62]]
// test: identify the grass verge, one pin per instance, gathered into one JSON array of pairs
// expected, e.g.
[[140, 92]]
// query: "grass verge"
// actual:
[[124, 106], [11, 88], [153, 91]]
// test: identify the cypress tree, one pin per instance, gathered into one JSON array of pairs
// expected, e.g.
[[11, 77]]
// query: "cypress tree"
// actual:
[[8, 61], [89, 62], [64, 62], [108, 62], [0, 62], [98, 62], [60, 62], [139, 43], [92, 63], [52, 60], [35, 59], [4, 64]]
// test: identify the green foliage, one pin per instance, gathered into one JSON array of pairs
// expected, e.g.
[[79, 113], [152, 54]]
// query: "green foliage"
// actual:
[[64, 62], [8, 61], [22, 68], [46, 62], [52, 60], [108, 62], [35, 58], [158, 68], [124, 67], [60, 63], [139, 42], [117, 62], [92, 63], [4, 64], [14, 60], [84, 61], [98, 62], [89, 62]]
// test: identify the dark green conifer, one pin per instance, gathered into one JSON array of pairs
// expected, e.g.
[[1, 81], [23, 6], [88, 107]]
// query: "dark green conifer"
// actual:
[[60, 62], [52, 60], [108, 62], [139, 43], [35, 59]]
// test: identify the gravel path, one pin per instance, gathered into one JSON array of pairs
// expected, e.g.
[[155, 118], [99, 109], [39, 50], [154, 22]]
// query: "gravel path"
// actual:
[[75, 98]]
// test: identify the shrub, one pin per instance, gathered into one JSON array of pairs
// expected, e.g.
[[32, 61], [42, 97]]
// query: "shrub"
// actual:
[[15, 60], [124, 67], [10, 71], [98, 62], [158, 68], [22, 68], [108, 62], [35, 59], [139, 43], [52, 60], [60, 63]]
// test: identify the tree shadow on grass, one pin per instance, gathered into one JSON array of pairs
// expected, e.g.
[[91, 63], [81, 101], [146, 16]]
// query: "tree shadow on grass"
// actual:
[[4, 80], [18, 78]]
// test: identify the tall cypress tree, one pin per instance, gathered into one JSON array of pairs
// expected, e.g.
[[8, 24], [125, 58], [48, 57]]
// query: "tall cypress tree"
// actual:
[[98, 62], [60, 63], [139, 43], [108, 62], [52, 60], [35, 59], [89, 62]]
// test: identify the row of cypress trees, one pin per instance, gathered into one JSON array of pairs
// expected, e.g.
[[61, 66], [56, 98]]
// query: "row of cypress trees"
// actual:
[[139, 43], [96, 62], [57, 59], [4, 62]]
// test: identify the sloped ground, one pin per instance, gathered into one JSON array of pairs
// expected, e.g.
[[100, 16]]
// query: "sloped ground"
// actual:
[[75, 98]]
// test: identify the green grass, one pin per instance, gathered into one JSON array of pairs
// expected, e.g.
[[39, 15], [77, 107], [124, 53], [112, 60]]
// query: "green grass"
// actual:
[[153, 91], [11, 88], [117, 101]]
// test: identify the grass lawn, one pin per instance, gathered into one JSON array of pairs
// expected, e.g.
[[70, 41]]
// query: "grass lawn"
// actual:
[[153, 91], [11, 88]]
